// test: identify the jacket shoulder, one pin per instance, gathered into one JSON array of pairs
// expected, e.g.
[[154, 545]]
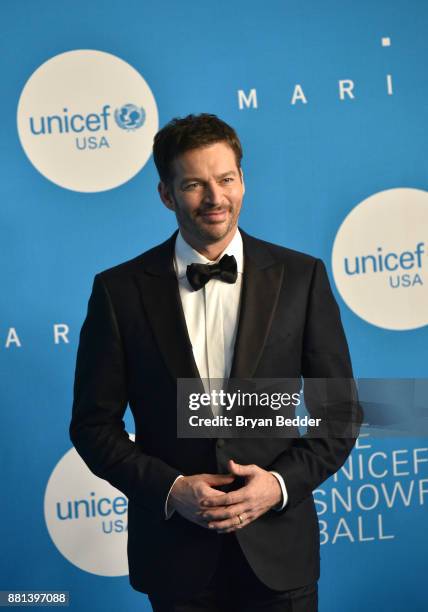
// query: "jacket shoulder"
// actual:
[[279, 253], [158, 256], [153, 257], [123, 269], [287, 254]]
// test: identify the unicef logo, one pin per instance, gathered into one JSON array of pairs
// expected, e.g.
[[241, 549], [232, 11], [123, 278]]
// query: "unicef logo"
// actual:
[[129, 117], [87, 518], [71, 133], [380, 259]]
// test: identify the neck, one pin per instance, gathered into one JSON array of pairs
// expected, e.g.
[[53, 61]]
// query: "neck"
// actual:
[[213, 250]]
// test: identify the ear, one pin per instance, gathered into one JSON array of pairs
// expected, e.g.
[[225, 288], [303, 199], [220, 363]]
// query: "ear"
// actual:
[[242, 180], [165, 195]]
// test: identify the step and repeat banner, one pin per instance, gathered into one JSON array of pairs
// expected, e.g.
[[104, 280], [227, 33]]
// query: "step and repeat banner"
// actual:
[[330, 102]]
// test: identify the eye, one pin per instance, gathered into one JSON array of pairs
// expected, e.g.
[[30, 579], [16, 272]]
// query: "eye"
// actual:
[[191, 186], [228, 179]]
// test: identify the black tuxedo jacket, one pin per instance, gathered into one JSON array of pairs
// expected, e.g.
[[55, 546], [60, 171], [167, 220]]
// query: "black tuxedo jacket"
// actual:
[[134, 345]]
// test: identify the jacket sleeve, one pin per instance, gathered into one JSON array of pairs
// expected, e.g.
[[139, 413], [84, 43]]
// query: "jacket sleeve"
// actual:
[[97, 429], [325, 355]]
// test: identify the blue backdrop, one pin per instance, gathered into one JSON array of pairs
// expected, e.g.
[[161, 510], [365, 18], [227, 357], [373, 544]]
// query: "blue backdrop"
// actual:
[[307, 164]]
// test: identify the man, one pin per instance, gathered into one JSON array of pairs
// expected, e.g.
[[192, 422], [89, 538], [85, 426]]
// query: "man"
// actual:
[[213, 524]]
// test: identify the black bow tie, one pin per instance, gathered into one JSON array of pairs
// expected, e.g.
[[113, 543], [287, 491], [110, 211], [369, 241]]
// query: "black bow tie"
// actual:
[[225, 269]]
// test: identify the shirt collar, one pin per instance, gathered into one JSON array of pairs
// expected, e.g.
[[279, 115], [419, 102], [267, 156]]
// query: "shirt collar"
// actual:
[[185, 255]]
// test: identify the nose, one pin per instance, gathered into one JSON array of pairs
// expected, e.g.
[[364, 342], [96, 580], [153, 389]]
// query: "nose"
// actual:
[[213, 193]]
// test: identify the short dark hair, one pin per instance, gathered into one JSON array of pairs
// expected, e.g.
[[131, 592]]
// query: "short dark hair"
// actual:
[[191, 132]]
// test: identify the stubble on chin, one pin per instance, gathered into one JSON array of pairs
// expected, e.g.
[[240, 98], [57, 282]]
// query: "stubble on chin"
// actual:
[[205, 232], [212, 234]]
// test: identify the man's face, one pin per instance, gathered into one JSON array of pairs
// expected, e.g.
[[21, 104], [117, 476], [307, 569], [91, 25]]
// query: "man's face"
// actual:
[[206, 193]]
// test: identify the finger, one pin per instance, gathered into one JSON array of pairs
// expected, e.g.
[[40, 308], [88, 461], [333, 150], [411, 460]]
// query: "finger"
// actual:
[[218, 479], [237, 522], [224, 513], [241, 470], [225, 499], [223, 525], [231, 530], [245, 520], [209, 493]]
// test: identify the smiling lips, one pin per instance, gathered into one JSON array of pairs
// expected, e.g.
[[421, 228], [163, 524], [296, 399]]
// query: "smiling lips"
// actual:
[[214, 215]]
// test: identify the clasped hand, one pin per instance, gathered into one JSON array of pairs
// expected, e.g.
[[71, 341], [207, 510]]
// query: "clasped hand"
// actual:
[[197, 499]]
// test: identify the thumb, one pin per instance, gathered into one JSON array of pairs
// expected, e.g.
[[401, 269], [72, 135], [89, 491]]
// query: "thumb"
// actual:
[[239, 469], [216, 480]]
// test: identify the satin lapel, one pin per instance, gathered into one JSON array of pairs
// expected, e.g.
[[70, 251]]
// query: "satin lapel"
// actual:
[[261, 286], [162, 304]]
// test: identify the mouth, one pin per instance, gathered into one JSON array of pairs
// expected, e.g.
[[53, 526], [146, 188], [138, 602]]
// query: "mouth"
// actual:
[[214, 216]]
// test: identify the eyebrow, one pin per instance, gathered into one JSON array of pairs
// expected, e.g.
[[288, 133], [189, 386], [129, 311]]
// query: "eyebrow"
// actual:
[[188, 179]]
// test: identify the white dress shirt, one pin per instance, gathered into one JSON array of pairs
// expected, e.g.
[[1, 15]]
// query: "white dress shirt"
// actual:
[[212, 315]]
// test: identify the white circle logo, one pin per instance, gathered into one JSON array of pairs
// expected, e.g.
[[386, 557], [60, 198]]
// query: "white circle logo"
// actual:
[[86, 120], [380, 259], [86, 518]]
